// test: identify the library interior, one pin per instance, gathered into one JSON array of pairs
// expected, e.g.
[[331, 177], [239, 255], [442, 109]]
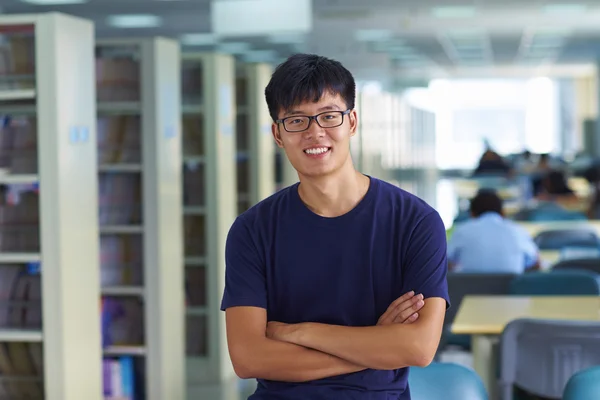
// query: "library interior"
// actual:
[[135, 132]]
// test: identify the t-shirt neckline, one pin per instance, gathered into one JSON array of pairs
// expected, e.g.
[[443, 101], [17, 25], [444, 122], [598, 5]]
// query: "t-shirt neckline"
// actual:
[[311, 216]]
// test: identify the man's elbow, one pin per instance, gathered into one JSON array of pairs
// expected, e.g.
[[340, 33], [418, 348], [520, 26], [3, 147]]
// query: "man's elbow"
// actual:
[[243, 364]]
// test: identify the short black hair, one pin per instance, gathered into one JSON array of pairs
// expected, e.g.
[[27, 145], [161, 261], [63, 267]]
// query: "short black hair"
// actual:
[[486, 201], [307, 77]]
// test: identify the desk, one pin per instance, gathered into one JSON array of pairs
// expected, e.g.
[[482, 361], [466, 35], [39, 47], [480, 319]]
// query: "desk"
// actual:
[[484, 318], [536, 227]]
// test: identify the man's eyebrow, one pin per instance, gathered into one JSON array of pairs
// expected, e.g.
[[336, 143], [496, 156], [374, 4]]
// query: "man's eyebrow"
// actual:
[[330, 107]]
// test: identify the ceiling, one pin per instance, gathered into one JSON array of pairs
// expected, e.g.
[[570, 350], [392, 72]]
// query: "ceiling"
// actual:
[[402, 42]]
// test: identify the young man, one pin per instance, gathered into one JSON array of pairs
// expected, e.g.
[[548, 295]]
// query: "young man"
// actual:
[[489, 242], [315, 273]]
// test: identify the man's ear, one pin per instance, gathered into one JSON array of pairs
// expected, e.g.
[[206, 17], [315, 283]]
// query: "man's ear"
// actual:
[[353, 118], [276, 134]]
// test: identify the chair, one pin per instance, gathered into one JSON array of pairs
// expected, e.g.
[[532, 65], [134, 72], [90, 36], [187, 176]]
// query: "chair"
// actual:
[[584, 385], [445, 381], [587, 264], [463, 284], [539, 356], [558, 238], [557, 283]]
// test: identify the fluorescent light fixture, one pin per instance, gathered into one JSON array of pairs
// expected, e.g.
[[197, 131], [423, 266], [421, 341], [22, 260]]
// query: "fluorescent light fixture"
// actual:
[[54, 2], [565, 8], [235, 18], [134, 21], [257, 56], [234, 48], [454, 12], [198, 39], [373, 35], [286, 38]]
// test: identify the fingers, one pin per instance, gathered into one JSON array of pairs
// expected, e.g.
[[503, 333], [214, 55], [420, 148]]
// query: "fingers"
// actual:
[[407, 309], [389, 315]]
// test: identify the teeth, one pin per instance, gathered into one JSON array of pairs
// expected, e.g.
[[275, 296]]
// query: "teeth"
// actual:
[[319, 150]]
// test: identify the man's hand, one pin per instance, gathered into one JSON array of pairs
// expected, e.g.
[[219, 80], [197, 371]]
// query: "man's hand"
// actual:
[[403, 310]]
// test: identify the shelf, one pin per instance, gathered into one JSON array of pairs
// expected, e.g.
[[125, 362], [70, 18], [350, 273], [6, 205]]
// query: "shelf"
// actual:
[[243, 196], [125, 351], [17, 335], [121, 229], [194, 159], [126, 168], [123, 291], [11, 95], [18, 109], [119, 108], [195, 262], [194, 210], [196, 311], [19, 258], [20, 379], [192, 109], [9, 179]]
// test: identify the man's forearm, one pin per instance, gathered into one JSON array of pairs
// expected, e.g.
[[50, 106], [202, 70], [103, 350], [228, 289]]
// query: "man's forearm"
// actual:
[[280, 361], [377, 347]]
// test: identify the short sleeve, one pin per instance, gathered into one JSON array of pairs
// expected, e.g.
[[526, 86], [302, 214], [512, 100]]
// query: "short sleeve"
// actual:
[[244, 270], [425, 264]]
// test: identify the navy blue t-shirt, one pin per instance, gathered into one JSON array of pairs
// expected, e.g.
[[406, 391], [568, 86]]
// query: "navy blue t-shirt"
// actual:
[[346, 270]]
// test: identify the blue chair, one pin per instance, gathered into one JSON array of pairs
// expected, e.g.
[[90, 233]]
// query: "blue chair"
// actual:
[[558, 239], [556, 283], [583, 385], [445, 381]]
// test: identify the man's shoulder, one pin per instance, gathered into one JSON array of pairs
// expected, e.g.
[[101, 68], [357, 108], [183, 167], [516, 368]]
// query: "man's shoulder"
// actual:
[[268, 208], [410, 207]]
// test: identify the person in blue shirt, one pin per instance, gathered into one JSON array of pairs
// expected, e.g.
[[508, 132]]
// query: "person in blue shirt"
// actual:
[[324, 277], [490, 243]]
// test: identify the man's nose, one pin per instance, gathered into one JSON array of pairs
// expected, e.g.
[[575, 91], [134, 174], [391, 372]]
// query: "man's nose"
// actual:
[[314, 130]]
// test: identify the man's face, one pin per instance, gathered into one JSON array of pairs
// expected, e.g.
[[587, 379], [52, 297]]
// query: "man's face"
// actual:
[[318, 150]]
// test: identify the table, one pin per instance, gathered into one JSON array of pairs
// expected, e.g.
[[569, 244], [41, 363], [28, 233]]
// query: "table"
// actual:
[[484, 318]]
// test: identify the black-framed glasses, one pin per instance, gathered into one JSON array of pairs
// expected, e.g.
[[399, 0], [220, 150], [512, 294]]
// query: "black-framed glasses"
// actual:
[[327, 119]]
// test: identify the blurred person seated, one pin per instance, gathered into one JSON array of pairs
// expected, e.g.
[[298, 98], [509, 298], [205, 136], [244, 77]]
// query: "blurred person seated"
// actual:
[[489, 243], [524, 163], [592, 175], [556, 189], [491, 163]]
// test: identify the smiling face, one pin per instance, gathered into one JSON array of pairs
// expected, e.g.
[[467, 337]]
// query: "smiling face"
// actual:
[[317, 151]]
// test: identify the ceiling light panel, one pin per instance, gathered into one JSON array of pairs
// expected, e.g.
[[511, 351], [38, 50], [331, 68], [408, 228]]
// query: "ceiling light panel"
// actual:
[[199, 39], [54, 2], [565, 8], [134, 21], [454, 12]]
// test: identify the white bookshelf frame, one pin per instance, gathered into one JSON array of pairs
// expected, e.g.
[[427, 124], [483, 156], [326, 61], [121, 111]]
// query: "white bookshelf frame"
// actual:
[[162, 291], [64, 103], [261, 145], [218, 110]]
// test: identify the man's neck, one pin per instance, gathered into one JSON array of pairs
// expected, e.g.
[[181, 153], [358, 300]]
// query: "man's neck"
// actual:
[[335, 194]]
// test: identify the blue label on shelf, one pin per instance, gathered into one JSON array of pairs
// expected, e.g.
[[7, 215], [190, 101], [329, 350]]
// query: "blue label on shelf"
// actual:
[[74, 134], [170, 132], [34, 268], [84, 133]]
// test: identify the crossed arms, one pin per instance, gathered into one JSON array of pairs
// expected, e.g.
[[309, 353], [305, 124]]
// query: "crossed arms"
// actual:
[[407, 334]]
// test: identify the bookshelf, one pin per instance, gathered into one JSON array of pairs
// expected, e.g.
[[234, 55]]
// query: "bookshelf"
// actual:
[[210, 207], [255, 143], [139, 174], [49, 325]]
